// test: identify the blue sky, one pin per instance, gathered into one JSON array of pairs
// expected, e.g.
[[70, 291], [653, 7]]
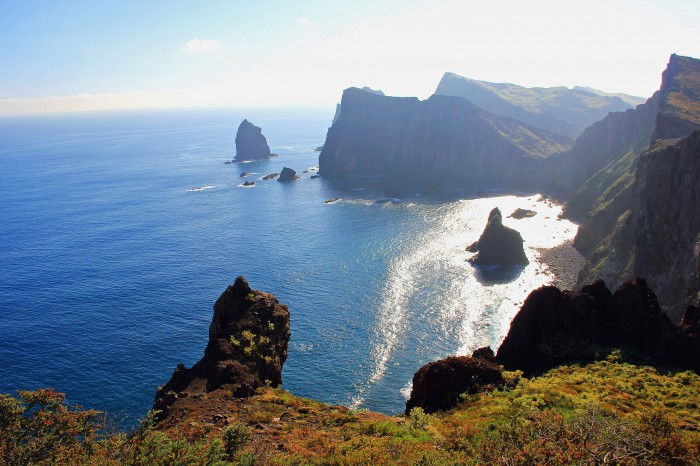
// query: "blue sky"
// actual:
[[82, 55]]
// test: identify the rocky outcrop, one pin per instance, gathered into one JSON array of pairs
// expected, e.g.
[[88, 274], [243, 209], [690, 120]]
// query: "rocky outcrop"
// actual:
[[441, 143], [557, 109], [556, 327], [438, 385], [498, 244], [250, 143], [521, 213], [287, 175], [248, 339]]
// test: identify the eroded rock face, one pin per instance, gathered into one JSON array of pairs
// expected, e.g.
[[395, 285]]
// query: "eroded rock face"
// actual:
[[557, 327], [248, 339], [438, 385], [498, 244], [250, 143]]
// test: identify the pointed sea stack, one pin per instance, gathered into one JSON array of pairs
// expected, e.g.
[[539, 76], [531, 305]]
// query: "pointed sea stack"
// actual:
[[248, 339], [251, 144], [498, 244]]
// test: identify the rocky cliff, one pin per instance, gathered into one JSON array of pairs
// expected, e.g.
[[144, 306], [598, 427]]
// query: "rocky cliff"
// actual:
[[250, 143], [555, 327], [637, 209], [247, 347], [557, 109], [442, 142]]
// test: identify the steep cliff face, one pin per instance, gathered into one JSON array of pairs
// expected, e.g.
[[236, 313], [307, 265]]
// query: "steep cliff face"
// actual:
[[640, 223], [250, 143], [438, 143], [557, 109], [247, 347], [593, 163], [667, 222]]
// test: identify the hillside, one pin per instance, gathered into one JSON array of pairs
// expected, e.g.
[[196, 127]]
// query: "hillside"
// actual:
[[558, 109]]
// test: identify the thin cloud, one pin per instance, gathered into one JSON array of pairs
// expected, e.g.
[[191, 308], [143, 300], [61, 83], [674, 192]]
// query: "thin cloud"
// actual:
[[201, 46], [305, 22]]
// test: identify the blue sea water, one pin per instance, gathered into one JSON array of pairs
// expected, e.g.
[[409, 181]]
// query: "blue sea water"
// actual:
[[118, 231]]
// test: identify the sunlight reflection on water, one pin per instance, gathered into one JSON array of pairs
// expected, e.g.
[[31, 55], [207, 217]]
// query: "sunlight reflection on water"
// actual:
[[471, 307]]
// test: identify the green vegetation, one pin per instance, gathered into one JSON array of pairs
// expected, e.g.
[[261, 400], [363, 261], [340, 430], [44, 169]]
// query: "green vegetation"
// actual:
[[607, 412]]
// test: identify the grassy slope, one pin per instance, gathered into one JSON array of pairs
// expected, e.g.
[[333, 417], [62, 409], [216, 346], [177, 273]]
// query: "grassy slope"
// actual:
[[571, 415]]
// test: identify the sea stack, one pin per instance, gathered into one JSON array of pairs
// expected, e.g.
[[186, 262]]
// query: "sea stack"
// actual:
[[287, 175], [498, 244], [248, 339], [251, 144]]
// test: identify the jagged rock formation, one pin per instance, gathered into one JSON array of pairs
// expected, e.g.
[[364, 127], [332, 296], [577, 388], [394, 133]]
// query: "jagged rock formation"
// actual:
[[557, 109], [248, 339], [250, 143], [437, 386], [440, 143], [287, 175], [498, 244], [555, 327]]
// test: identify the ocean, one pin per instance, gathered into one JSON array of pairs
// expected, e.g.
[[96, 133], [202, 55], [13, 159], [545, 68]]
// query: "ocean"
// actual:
[[120, 230]]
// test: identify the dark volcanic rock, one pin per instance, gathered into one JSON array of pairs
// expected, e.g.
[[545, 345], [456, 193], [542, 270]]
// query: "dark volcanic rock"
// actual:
[[498, 244], [250, 143], [519, 213], [270, 176], [555, 327], [287, 175], [249, 183], [438, 385], [248, 339]]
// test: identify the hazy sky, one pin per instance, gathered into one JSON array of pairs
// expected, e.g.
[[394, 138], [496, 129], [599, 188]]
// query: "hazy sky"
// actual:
[[90, 54]]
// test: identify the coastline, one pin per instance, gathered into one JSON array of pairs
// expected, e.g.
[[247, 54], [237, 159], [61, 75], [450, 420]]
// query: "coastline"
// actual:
[[564, 262]]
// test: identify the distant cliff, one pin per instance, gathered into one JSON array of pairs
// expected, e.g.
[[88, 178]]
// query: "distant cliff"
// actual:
[[442, 142], [557, 109]]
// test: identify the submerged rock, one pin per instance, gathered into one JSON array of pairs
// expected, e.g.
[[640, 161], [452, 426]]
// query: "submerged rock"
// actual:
[[250, 143], [248, 339], [287, 175], [498, 244]]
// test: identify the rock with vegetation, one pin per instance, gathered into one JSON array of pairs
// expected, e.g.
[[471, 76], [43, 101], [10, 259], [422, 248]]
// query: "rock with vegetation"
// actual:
[[250, 143], [498, 244], [287, 175], [248, 339]]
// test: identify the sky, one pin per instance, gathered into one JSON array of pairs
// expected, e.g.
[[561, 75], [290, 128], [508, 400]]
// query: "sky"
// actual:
[[61, 55]]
